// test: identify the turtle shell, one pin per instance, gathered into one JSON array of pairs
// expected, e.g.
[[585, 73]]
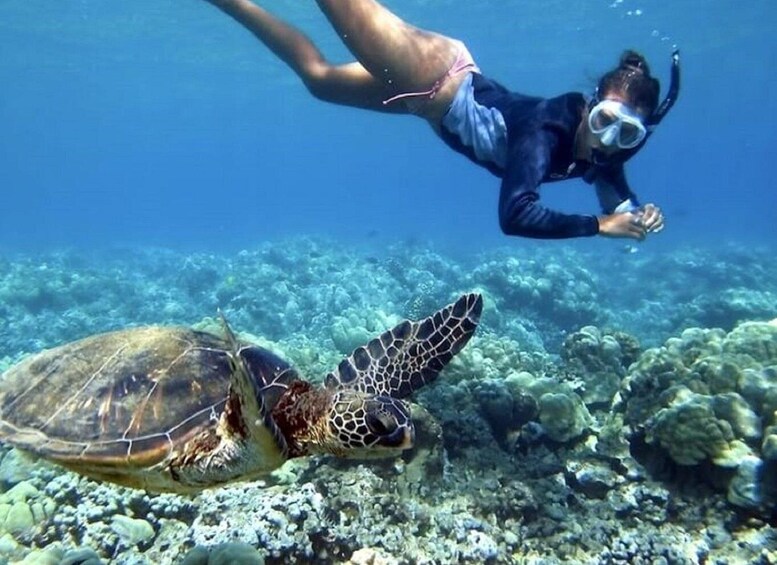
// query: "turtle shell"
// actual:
[[126, 400]]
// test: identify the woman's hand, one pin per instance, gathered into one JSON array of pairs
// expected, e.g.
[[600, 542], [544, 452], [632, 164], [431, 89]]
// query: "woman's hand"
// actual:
[[635, 225], [652, 218], [626, 224]]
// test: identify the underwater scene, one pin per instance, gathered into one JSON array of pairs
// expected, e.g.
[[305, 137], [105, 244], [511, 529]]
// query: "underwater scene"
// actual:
[[240, 325]]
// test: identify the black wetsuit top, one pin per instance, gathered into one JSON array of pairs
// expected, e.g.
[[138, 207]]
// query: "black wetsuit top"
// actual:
[[527, 141]]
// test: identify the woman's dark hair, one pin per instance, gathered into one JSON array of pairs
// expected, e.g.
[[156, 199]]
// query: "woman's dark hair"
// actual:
[[631, 79]]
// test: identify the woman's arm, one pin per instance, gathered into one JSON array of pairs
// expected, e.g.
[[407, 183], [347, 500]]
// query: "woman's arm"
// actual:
[[624, 217], [520, 210], [613, 192], [521, 213]]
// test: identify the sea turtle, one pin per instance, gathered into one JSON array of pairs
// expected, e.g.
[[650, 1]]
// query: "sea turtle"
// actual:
[[173, 409]]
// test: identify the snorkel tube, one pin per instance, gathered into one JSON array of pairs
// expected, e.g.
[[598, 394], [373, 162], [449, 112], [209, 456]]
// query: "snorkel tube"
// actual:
[[671, 95]]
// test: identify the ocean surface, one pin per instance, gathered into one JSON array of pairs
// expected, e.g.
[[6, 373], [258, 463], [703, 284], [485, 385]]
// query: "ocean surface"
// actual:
[[618, 403]]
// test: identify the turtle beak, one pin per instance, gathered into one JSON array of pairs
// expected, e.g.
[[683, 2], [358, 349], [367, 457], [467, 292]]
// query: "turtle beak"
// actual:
[[405, 437], [390, 425]]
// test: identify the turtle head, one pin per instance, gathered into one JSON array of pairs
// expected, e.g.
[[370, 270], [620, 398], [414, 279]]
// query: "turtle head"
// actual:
[[362, 425]]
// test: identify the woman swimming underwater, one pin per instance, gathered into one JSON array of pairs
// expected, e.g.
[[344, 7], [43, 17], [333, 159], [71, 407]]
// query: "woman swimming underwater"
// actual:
[[523, 140]]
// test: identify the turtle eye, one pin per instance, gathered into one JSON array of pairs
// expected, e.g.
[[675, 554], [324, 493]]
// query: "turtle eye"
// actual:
[[381, 424]]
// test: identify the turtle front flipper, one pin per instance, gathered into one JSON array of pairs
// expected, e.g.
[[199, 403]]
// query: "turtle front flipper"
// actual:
[[247, 417], [411, 354]]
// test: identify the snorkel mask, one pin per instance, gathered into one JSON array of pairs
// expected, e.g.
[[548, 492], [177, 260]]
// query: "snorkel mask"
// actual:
[[615, 123]]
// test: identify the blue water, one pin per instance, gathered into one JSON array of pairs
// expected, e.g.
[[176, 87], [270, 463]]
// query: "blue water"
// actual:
[[165, 123], [158, 165]]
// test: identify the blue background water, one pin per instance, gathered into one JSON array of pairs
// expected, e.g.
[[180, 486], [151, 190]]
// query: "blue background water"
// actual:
[[162, 132], [165, 123]]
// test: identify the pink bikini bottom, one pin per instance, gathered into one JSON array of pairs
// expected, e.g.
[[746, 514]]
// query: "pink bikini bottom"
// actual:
[[463, 62]]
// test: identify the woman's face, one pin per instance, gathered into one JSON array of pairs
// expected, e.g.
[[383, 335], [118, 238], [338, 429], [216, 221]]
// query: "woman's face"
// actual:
[[594, 141]]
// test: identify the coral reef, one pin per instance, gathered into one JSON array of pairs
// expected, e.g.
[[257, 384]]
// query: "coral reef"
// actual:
[[552, 438], [597, 362], [711, 397]]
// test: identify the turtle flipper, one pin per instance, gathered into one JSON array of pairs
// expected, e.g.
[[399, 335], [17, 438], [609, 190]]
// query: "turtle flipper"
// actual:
[[229, 335], [248, 416], [411, 354]]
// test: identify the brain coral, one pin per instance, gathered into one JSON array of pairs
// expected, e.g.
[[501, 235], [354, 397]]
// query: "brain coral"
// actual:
[[711, 396], [598, 360]]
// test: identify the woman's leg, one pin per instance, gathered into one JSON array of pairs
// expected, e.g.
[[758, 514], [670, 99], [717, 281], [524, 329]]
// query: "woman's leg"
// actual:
[[350, 84], [403, 57]]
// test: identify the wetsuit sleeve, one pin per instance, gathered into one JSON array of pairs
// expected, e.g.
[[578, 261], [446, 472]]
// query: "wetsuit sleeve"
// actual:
[[520, 210], [612, 189]]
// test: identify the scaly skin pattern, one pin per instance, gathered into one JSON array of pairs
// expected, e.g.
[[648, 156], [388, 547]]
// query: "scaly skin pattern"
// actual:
[[301, 415], [346, 423]]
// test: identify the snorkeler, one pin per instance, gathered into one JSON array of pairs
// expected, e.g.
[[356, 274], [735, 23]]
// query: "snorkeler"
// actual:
[[523, 140]]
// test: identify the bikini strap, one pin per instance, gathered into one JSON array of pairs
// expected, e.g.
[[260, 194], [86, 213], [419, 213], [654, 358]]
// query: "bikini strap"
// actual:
[[462, 63]]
